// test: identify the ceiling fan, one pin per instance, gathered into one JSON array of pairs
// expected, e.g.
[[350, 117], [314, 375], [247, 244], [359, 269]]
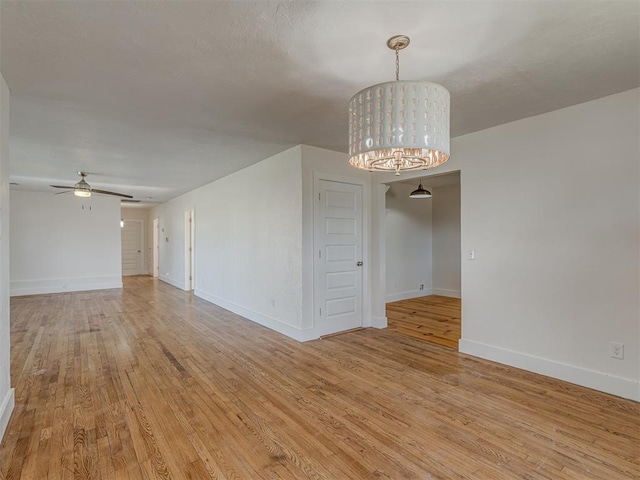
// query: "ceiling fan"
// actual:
[[83, 189]]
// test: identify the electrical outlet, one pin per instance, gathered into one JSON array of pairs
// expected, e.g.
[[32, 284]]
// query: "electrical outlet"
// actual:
[[422, 286], [616, 350]]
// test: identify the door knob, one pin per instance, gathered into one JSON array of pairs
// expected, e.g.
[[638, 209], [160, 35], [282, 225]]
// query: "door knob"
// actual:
[[359, 264]]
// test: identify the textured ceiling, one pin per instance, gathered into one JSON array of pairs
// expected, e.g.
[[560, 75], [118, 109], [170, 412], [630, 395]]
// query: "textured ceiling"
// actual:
[[157, 98]]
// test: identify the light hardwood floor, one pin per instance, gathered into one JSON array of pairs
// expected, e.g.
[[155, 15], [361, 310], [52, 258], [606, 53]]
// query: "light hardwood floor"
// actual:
[[434, 319], [151, 382]]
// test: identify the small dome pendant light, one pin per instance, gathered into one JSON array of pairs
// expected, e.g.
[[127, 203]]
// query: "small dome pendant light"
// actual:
[[420, 192]]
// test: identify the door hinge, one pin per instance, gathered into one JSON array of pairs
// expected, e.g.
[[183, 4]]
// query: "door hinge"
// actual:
[[318, 196], [320, 311], [190, 277], [319, 253]]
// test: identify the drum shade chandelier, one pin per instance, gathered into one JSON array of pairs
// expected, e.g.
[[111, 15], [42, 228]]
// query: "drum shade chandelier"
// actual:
[[399, 126]]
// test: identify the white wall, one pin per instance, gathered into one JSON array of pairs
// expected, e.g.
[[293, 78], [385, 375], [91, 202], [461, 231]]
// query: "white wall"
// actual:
[[248, 245], [253, 251], [59, 246], [248, 241], [6, 392], [408, 243], [134, 213], [550, 205], [170, 217], [446, 240]]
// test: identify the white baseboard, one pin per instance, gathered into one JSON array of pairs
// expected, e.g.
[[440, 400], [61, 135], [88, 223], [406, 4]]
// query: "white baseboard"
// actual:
[[6, 408], [396, 297], [259, 318], [447, 293], [62, 285], [171, 281], [379, 322], [604, 382]]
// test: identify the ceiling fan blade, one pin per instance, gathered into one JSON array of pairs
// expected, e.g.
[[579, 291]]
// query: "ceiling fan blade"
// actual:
[[105, 192], [60, 193], [60, 186], [124, 200]]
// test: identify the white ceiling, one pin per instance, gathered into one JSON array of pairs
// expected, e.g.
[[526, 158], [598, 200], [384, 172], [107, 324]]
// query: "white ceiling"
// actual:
[[157, 98]]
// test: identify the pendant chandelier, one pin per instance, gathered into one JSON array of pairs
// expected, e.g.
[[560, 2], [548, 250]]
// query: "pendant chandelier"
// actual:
[[399, 126]]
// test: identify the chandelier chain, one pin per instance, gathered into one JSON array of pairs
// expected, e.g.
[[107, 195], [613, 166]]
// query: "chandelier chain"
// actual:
[[397, 64]]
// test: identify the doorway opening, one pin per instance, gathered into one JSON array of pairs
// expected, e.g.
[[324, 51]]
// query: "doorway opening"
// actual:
[[423, 260], [156, 246], [189, 243]]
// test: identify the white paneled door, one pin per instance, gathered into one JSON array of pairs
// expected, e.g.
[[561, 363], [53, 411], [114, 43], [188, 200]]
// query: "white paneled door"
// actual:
[[338, 252], [132, 247]]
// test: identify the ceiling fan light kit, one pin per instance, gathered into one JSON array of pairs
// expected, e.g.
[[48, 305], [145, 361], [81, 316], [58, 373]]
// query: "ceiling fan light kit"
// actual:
[[83, 189], [399, 126]]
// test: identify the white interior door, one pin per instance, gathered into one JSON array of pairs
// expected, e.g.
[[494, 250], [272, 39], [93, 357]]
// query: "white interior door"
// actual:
[[338, 252], [132, 247]]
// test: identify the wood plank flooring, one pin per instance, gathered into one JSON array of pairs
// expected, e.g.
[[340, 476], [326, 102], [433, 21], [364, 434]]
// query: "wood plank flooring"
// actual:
[[151, 382], [434, 319]]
